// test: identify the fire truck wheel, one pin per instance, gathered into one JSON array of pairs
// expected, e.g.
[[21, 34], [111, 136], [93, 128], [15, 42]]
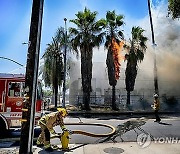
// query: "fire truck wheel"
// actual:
[[3, 130]]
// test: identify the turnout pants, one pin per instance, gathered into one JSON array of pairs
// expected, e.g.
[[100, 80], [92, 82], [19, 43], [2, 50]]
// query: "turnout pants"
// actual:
[[44, 137], [157, 116]]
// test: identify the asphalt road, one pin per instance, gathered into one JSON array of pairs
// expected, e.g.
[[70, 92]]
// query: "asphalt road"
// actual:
[[127, 129]]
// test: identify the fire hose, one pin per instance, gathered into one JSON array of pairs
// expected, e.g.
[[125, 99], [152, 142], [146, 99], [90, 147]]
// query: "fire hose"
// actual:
[[92, 134], [64, 137]]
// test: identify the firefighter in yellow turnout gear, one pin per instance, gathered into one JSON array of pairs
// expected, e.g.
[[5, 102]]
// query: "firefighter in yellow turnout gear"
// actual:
[[156, 107], [47, 122]]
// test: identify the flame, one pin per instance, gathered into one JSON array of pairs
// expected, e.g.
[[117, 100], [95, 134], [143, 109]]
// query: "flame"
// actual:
[[117, 48]]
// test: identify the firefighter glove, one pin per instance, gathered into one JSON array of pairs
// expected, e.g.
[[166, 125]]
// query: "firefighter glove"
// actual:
[[53, 132], [64, 129], [70, 132]]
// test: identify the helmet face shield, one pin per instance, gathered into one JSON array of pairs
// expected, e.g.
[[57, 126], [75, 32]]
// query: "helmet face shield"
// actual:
[[62, 111]]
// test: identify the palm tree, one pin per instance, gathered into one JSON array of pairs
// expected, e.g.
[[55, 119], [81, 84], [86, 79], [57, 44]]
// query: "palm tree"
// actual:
[[85, 37], [135, 54], [114, 35], [174, 8], [53, 65]]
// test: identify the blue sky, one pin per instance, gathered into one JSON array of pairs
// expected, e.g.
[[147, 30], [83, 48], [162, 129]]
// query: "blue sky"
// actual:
[[15, 22]]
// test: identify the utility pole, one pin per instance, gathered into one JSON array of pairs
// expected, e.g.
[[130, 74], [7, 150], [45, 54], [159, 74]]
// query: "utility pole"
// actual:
[[65, 50], [27, 128], [156, 90]]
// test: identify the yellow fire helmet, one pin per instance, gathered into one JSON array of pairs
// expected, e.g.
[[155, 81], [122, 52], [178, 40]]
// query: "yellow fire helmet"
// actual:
[[63, 111]]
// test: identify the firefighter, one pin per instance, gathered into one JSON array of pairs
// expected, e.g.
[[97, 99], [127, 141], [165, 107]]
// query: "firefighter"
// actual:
[[47, 122], [156, 107]]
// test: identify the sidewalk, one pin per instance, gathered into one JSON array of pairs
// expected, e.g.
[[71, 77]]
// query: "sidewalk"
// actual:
[[110, 148]]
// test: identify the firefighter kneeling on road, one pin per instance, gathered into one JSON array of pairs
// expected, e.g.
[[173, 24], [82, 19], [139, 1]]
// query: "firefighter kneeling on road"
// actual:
[[47, 122]]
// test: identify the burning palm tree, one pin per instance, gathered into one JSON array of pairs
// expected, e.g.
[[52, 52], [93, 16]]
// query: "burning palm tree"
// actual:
[[114, 45]]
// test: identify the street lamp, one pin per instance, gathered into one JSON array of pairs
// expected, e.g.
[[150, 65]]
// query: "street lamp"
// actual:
[[156, 90], [27, 43], [65, 50]]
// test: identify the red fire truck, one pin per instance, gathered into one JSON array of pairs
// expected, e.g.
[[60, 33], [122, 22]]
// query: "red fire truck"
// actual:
[[11, 99]]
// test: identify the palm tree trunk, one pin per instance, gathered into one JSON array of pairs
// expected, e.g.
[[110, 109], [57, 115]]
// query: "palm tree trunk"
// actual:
[[111, 77], [114, 107], [86, 73], [55, 91], [128, 97], [86, 100], [55, 83]]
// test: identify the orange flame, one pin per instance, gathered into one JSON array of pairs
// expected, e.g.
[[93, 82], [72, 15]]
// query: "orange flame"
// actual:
[[117, 48]]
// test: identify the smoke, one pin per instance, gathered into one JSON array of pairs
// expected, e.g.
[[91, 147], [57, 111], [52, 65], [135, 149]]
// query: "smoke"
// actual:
[[167, 38]]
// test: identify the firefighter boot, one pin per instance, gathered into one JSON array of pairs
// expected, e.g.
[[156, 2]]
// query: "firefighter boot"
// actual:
[[48, 147]]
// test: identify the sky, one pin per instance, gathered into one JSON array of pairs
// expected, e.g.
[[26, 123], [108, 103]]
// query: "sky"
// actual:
[[15, 18]]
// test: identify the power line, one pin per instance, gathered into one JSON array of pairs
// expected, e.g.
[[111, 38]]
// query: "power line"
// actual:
[[12, 61]]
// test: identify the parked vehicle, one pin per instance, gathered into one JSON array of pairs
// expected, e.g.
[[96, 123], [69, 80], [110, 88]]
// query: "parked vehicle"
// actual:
[[11, 100]]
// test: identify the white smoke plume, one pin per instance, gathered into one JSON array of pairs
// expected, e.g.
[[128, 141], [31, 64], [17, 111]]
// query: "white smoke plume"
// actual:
[[167, 38]]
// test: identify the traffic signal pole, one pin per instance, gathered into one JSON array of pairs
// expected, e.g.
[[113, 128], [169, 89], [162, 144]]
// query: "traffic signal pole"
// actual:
[[28, 110]]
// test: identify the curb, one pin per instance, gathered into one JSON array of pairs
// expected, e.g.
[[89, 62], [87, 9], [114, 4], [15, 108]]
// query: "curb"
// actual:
[[116, 113]]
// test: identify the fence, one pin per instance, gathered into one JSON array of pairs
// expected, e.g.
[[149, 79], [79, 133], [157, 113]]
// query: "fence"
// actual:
[[138, 102]]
